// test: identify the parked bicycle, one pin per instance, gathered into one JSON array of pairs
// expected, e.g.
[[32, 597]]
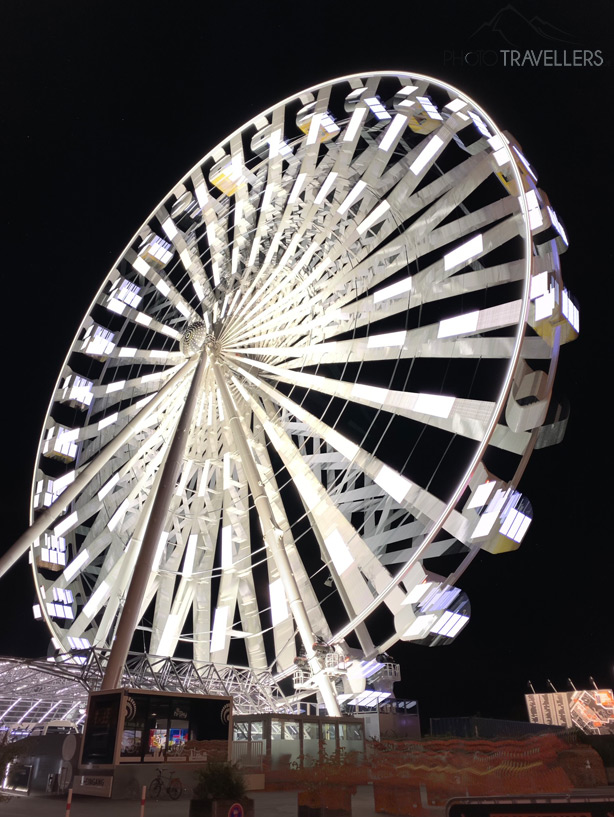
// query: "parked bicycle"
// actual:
[[165, 781]]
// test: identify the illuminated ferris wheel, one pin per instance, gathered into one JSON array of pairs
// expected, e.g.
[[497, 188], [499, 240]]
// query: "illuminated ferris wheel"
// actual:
[[351, 309]]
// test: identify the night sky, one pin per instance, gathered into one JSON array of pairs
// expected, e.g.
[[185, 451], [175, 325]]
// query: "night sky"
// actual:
[[105, 106]]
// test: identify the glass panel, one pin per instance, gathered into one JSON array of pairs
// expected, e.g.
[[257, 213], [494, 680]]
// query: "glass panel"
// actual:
[[311, 740], [257, 730], [240, 731], [157, 743], [291, 730], [352, 740], [178, 736], [310, 731], [132, 743], [328, 732]]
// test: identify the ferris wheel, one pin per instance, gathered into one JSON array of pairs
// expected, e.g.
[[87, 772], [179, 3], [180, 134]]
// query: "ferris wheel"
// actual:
[[361, 290]]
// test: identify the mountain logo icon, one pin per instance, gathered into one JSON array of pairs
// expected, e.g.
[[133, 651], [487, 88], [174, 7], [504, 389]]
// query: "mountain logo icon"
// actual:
[[509, 28]]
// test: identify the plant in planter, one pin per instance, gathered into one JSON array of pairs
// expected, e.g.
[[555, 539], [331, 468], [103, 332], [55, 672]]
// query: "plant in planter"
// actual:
[[327, 784], [219, 785]]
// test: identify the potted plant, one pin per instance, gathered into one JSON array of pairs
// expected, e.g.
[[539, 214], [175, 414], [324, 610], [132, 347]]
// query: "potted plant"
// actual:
[[219, 785], [326, 785]]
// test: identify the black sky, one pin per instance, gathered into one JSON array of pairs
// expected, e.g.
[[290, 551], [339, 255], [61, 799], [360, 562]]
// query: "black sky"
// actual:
[[106, 105]]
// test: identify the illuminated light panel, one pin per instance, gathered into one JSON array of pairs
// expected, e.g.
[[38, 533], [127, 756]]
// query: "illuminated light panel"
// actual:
[[515, 525], [502, 157], [393, 483], [429, 107], [351, 197], [66, 524], [75, 566], [96, 600], [162, 287], [226, 547], [168, 225], [450, 624], [426, 154], [387, 339], [437, 405], [127, 292], [535, 216], [481, 495], [143, 319], [372, 393], [63, 596], [279, 606], [455, 105], [377, 108], [78, 390], [190, 553], [463, 253], [141, 266], [377, 215], [485, 524], [496, 142], [308, 491], [326, 187], [392, 291], [480, 124], [369, 698], [296, 190], [186, 258], [218, 636], [396, 127], [116, 306], [420, 627], [77, 643], [417, 592], [342, 444], [544, 305], [540, 284], [354, 124], [108, 421], [439, 598], [571, 311], [339, 552], [97, 341], [366, 669], [160, 550], [557, 225], [459, 325], [314, 128], [524, 162]]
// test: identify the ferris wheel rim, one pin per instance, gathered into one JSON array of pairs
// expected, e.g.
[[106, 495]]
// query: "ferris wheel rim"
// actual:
[[512, 361]]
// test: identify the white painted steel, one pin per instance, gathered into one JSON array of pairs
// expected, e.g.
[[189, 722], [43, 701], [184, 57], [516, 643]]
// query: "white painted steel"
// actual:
[[358, 261]]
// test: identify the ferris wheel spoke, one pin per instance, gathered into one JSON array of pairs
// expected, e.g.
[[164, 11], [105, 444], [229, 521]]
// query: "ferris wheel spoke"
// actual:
[[283, 628], [457, 415], [308, 163], [157, 276], [137, 317], [188, 255], [237, 588], [382, 264], [384, 481], [116, 391], [125, 355], [344, 550]]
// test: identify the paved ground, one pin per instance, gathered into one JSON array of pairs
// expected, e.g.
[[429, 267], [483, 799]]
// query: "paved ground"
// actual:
[[268, 804]]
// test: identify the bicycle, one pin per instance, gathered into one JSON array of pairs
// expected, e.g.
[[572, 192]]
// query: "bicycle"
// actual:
[[159, 784]]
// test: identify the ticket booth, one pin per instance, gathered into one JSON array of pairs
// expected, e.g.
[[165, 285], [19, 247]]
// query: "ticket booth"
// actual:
[[135, 729]]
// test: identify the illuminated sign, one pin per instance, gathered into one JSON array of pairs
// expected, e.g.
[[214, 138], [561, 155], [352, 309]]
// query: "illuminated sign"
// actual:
[[591, 710]]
